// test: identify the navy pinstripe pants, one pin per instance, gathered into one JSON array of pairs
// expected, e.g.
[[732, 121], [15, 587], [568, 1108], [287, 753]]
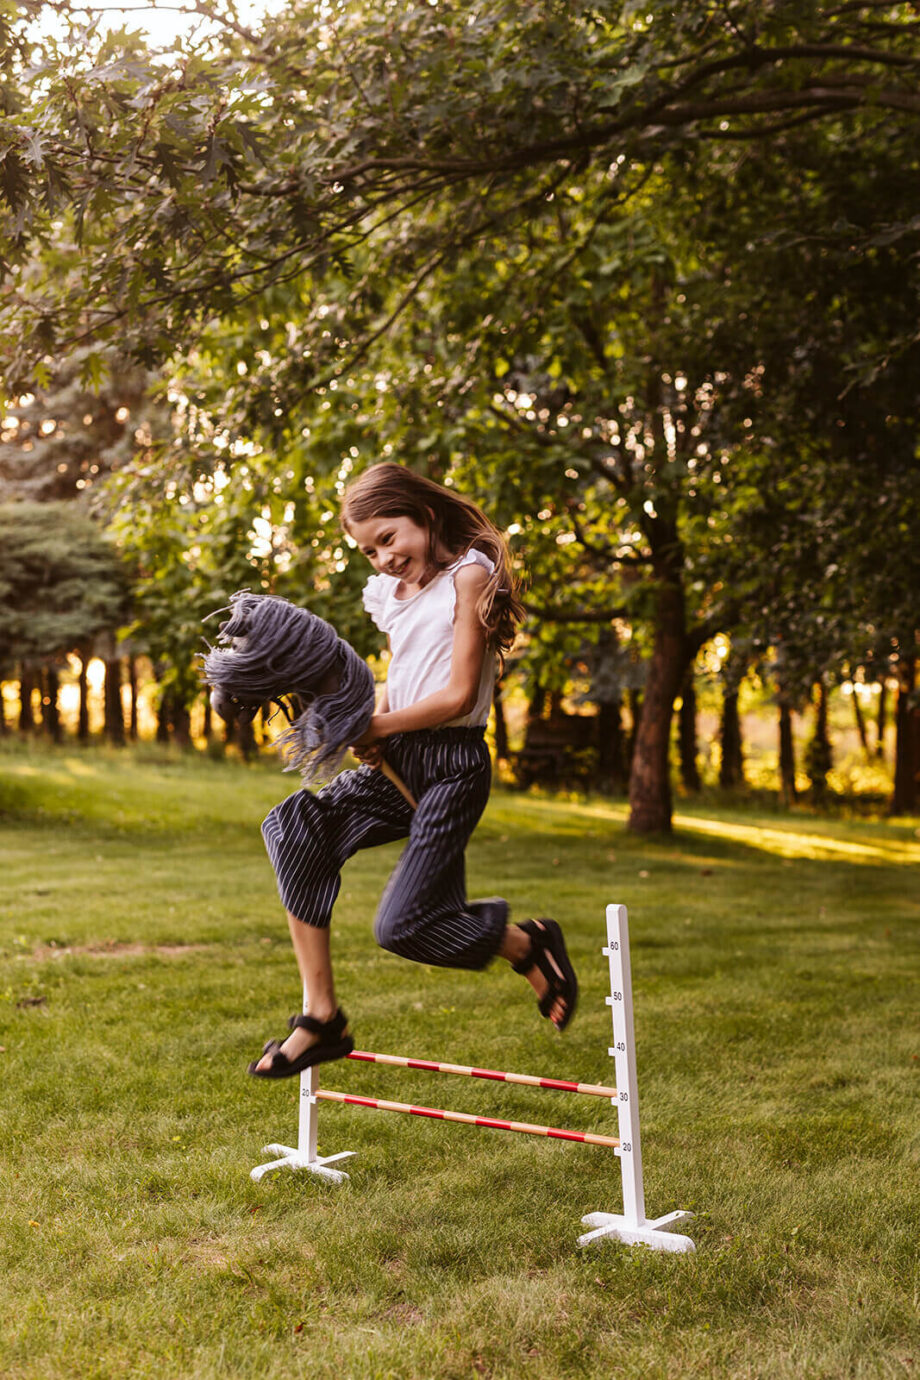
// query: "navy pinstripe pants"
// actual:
[[423, 914]]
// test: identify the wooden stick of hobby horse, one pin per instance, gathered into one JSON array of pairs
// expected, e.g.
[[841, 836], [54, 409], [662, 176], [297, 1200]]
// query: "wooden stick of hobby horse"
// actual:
[[527, 1079], [398, 782], [553, 1132]]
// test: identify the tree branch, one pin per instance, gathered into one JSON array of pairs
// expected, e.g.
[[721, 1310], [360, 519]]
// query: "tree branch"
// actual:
[[622, 481], [645, 122], [575, 615]]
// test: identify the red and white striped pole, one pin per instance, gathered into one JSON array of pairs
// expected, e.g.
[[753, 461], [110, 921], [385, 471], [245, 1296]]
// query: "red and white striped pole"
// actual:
[[526, 1080], [552, 1132]]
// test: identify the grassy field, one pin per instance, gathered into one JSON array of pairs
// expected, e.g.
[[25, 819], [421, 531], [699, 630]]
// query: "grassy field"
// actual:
[[144, 960]]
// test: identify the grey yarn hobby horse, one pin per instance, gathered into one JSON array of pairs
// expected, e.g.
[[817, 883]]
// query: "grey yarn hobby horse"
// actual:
[[270, 649]]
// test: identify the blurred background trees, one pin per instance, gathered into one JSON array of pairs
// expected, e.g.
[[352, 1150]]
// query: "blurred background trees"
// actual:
[[640, 280]]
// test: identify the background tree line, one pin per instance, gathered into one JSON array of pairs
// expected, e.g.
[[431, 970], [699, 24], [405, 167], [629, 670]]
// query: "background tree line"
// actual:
[[640, 280]]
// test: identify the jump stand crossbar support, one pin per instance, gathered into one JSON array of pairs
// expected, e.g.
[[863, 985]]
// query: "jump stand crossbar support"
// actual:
[[630, 1226]]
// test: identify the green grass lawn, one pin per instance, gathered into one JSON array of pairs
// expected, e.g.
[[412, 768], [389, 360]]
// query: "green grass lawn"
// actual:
[[144, 960]]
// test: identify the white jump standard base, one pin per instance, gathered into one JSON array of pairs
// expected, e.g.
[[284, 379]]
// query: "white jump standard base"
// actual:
[[631, 1226], [656, 1234], [293, 1159]]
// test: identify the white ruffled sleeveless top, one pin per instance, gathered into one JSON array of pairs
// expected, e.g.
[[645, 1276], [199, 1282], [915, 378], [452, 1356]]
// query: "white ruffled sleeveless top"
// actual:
[[421, 633]]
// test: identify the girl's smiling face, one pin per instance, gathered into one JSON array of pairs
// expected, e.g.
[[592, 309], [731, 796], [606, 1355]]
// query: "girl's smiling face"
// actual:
[[395, 546]]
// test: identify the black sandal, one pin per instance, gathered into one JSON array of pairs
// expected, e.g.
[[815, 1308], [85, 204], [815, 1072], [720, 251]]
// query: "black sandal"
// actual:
[[333, 1043], [291, 1025], [549, 954]]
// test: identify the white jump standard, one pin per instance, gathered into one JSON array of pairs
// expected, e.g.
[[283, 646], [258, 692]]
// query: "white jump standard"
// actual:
[[631, 1226]]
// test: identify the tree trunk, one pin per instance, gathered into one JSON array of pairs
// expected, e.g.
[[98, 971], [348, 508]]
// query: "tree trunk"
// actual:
[[501, 726], [689, 771], [114, 713], [607, 695], [731, 767], [26, 686], [786, 755], [819, 758], [881, 721], [51, 712], [611, 763], [164, 715], [83, 708], [906, 795], [635, 712], [4, 726], [132, 683], [207, 726], [650, 776], [536, 705], [181, 721], [861, 724], [247, 739]]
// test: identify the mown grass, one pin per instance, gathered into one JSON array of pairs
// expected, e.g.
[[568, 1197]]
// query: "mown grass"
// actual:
[[144, 959]]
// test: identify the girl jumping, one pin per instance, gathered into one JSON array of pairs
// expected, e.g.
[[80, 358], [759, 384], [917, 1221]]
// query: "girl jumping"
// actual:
[[445, 595]]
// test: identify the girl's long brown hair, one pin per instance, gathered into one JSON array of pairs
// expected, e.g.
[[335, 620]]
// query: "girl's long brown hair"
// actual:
[[453, 523]]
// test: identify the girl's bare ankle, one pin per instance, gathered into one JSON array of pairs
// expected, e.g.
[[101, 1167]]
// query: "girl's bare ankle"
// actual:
[[322, 1011], [515, 944]]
